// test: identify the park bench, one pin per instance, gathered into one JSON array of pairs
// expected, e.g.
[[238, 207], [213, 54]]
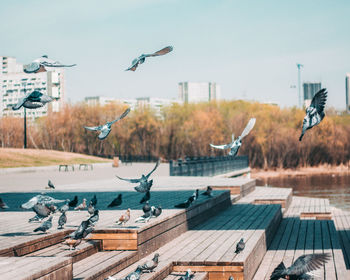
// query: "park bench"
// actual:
[[85, 166], [66, 167]]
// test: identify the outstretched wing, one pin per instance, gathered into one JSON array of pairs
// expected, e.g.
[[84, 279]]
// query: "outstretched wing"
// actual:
[[31, 67], [93, 128], [306, 263], [319, 100], [221, 147], [127, 111], [129, 180], [19, 104], [162, 51], [149, 174], [248, 128]]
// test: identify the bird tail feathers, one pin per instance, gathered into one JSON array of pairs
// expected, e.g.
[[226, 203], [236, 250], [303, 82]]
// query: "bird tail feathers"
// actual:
[[278, 272]]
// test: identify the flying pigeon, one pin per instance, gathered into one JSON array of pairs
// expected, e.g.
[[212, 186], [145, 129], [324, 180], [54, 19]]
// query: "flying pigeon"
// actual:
[[187, 203], [187, 276], [315, 112], [141, 59], [299, 269], [3, 205], [124, 218], [94, 218], [107, 127], [82, 205], [236, 144], [149, 266], [65, 207], [231, 278], [116, 202], [50, 185], [146, 207], [40, 65], [145, 217], [145, 185], [208, 192], [91, 209], [146, 197], [45, 226], [33, 100], [42, 199], [62, 220], [42, 211], [240, 246], [157, 211], [74, 202]]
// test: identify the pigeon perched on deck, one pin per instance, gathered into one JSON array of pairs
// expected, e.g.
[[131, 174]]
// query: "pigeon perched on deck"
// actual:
[[187, 203], [315, 112], [42, 199], [95, 217], [93, 200], [208, 191], [74, 239], [42, 211], [124, 218], [74, 202], [91, 209], [157, 211], [300, 268], [62, 220], [240, 246], [146, 197], [141, 59], [33, 100], [3, 205], [149, 266], [188, 275], [107, 127], [195, 194], [40, 64], [81, 206], [236, 143], [146, 207], [145, 217], [135, 275], [50, 185], [65, 207], [45, 226], [116, 202], [145, 185]]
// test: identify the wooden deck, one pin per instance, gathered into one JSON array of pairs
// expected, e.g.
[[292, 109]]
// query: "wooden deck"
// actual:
[[310, 208], [342, 223]]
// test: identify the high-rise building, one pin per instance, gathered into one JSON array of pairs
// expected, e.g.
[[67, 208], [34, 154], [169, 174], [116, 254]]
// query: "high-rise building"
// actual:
[[198, 92], [347, 92], [310, 89], [14, 84]]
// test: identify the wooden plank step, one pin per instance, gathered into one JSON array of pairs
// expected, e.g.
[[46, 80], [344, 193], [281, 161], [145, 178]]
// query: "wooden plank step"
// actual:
[[196, 276], [241, 187], [214, 272]]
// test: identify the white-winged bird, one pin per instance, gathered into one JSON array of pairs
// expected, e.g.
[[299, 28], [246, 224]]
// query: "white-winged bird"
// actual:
[[40, 64], [300, 268], [236, 143], [33, 100], [145, 185], [141, 59], [107, 127], [315, 112], [43, 199]]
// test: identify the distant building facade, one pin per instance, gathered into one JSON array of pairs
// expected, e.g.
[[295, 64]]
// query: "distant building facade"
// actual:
[[198, 92], [347, 92], [310, 89], [100, 100], [14, 84]]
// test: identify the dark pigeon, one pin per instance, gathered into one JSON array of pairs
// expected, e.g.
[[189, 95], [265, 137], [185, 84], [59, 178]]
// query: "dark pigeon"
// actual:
[[74, 202], [40, 65], [146, 207], [145, 217], [145, 185], [146, 197], [62, 220], [300, 268], [94, 218], [50, 185], [116, 202], [107, 127], [33, 100], [188, 275], [91, 209], [141, 59], [315, 112], [236, 144], [157, 211], [84, 229], [45, 226], [240, 246], [134, 275], [149, 266], [93, 200], [3, 205], [208, 191], [187, 203]]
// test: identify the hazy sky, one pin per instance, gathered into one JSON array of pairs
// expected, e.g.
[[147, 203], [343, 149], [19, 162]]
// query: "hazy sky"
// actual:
[[249, 47]]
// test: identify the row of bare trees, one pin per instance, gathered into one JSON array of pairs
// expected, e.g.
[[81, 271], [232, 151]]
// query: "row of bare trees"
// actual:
[[187, 130]]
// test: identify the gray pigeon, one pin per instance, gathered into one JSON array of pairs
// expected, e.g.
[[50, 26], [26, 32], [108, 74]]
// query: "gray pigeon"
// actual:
[[50, 185], [91, 209], [74, 239], [208, 191], [236, 144], [42, 199], [187, 276], [145, 217], [149, 266], [240, 246], [107, 127], [300, 268], [157, 211], [134, 275], [145, 185], [141, 59], [94, 218], [62, 220], [146, 207], [116, 202], [33, 100], [65, 207], [42, 211], [3, 205], [40, 65], [45, 226], [315, 112]]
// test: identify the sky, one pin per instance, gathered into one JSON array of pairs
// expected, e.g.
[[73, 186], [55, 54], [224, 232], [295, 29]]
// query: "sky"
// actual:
[[250, 48]]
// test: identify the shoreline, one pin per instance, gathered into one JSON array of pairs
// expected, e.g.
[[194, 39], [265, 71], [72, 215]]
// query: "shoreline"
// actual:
[[303, 171]]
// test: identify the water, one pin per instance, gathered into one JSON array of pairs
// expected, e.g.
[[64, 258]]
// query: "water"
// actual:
[[335, 187]]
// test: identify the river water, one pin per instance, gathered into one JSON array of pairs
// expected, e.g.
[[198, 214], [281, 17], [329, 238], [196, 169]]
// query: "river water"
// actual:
[[335, 187]]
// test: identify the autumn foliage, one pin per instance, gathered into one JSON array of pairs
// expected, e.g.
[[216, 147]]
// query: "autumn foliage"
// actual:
[[187, 130]]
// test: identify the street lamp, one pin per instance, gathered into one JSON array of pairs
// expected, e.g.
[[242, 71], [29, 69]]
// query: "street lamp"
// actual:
[[299, 66], [25, 119]]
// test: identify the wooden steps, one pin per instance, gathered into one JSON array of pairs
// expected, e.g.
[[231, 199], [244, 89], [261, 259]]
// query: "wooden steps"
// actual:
[[310, 208], [196, 276], [342, 224], [240, 186]]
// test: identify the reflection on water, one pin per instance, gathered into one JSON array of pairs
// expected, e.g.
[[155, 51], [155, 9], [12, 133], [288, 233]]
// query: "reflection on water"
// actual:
[[335, 187]]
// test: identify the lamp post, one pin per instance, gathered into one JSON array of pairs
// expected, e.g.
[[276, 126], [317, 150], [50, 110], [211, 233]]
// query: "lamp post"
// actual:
[[299, 66], [25, 120]]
